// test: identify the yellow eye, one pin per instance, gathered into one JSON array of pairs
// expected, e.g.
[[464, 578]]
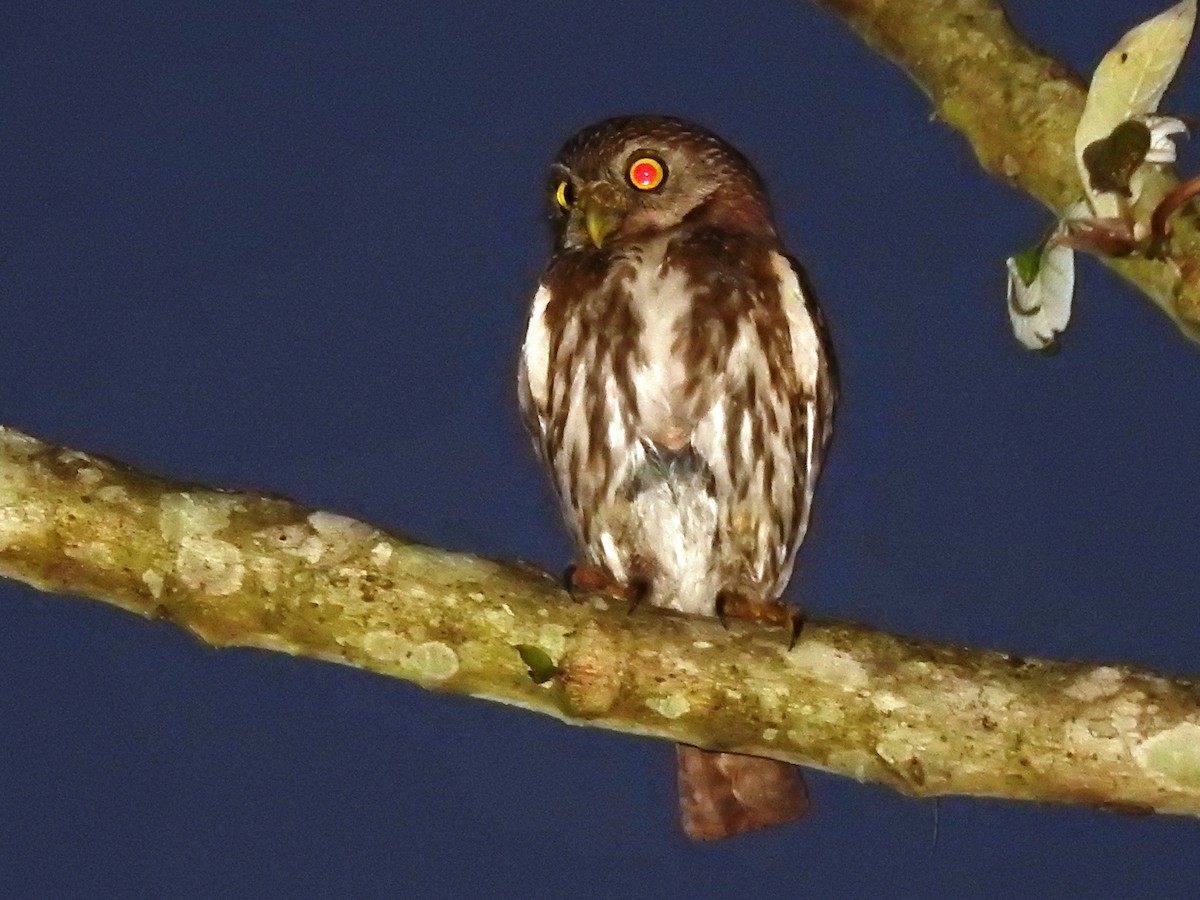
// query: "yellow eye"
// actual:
[[646, 173], [564, 195]]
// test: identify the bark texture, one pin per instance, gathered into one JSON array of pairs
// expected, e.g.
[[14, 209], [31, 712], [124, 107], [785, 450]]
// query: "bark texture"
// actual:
[[1019, 108], [239, 569]]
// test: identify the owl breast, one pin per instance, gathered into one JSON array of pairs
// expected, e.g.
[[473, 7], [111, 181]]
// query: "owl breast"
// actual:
[[660, 298], [663, 397]]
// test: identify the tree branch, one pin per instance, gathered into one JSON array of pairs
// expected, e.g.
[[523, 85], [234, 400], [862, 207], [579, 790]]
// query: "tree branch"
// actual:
[[1019, 108], [238, 569]]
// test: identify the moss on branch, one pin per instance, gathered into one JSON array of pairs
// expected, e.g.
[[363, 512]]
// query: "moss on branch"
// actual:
[[238, 569]]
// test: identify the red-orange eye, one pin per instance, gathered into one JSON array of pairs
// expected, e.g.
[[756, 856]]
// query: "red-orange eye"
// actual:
[[646, 173]]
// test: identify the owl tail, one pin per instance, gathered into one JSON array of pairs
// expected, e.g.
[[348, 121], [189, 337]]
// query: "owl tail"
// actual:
[[723, 794]]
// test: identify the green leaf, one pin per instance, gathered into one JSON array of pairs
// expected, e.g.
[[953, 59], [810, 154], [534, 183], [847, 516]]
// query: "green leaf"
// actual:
[[1029, 263], [1130, 82], [541, 666]]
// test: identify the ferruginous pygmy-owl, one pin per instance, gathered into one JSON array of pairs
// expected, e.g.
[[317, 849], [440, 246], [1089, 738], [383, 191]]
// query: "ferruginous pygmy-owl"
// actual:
[[679, 386]]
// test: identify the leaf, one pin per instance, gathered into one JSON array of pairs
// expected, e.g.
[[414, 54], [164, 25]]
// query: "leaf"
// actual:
[[1028, 263], [1130, 82], [541, 666], [1041, 281]]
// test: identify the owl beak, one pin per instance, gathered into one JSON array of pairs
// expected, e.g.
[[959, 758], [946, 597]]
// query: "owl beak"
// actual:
[[602, 211], [601, 221]]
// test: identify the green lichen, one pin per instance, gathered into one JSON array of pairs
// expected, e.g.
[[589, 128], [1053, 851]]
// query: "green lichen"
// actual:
[[671, 706], [1175, 755]]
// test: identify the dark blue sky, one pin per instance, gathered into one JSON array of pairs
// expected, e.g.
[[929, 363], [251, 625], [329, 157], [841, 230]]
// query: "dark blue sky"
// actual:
[[286, 246]]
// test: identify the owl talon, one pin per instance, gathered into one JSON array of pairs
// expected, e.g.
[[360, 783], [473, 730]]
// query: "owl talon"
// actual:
[[722, 600], [772, 612], [568, 580], [582, 578], [638, 591], [797, 626]]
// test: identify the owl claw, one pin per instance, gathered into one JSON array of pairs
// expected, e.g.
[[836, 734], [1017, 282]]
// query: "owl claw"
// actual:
[[797, 626], [568, 579], [722, 600], [638, 591], [582, 578], [772, 612]]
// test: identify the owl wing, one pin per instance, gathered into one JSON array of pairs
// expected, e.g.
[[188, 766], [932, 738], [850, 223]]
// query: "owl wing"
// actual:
[[767, 418], [816, 376], [574, 410], [533, 374]]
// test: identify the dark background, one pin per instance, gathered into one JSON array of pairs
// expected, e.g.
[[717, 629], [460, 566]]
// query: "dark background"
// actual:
[[286, 246]]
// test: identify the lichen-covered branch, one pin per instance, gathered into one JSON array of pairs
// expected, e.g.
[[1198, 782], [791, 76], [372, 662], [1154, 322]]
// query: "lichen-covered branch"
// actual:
[[240, 569], [1019, 108]]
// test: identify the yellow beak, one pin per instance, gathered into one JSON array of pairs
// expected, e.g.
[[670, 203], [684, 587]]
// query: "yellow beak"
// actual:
[[601, 221], [602, 212]]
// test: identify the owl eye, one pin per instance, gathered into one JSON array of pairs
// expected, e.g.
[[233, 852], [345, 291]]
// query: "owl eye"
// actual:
[[646, 173], [564, 194]]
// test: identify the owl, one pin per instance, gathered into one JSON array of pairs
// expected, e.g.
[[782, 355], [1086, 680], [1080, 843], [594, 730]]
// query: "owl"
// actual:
[[679, 386]]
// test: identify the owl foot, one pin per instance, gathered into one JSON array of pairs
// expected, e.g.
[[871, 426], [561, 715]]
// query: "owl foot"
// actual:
[[772, 612], [638, 590], [583, 578]]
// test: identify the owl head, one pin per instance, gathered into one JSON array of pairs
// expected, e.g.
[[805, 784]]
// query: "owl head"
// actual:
[[632, 177]]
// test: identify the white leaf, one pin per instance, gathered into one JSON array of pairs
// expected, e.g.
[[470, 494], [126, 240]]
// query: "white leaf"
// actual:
[[1130, 82], [1040, 309]]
